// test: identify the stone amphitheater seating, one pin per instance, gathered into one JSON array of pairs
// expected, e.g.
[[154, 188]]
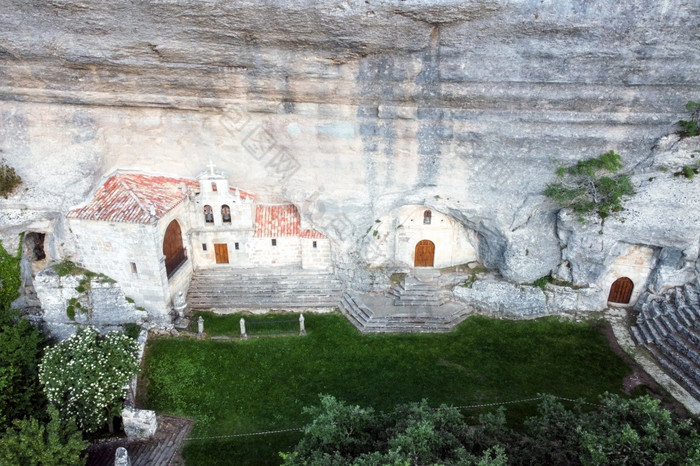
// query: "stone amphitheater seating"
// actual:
[[668, 326]]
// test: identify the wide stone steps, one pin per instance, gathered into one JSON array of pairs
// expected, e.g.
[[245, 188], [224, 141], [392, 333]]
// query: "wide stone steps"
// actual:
[[414, 291], [668, 325], [366, 321], [236, 288]]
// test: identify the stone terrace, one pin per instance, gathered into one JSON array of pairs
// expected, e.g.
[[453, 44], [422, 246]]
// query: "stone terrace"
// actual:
[[230, 288], [668, 326]]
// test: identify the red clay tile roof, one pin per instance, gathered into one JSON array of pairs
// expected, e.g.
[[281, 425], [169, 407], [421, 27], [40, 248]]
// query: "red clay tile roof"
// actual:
[[243, 194], [274, 221], [313, 234], [128, 198]]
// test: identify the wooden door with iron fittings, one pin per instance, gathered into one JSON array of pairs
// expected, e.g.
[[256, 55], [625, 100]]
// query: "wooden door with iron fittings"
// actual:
[[221, 252], [621, 291], [425, 254]]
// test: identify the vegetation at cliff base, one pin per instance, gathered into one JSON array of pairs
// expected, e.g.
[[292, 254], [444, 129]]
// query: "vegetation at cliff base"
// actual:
[[29, 433], [9, 276], [591, 186]]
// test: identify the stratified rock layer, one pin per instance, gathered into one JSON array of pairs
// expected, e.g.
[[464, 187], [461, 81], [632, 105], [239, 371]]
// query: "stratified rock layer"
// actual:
[[351, 109]]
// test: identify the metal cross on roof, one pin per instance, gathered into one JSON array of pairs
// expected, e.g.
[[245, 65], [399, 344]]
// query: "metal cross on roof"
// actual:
[[211, 167]]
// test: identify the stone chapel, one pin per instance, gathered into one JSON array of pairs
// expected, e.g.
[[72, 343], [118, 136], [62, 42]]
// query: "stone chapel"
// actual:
[[150, 232]]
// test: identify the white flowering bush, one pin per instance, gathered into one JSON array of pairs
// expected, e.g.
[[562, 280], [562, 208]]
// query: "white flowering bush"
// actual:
[[84, 376]]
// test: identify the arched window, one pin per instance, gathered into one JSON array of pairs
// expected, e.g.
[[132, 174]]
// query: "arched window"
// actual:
[[225, 214], [208, 214], [621, 291], [173, 250], [427, 217]]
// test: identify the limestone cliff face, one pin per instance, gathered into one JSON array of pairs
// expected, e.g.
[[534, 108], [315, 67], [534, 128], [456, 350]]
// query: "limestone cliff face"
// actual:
[[351, 109]]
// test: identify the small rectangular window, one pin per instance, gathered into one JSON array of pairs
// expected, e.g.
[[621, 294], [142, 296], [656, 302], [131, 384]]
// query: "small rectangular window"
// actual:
[[204, 246], [133, 268], [274, 241], [236, 246], [314, 244], [213, 186]]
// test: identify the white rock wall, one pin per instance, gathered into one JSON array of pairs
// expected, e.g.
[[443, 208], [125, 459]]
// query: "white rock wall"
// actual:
[[351, 110]]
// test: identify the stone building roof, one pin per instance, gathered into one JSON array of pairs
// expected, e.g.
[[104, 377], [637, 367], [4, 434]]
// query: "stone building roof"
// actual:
[[134, 198], [279, 220], [313, 234], [241, 193]]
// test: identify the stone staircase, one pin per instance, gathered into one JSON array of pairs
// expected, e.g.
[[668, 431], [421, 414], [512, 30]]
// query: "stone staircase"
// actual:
[[421, 288], [668, 326], [399, 319], [223, 287]]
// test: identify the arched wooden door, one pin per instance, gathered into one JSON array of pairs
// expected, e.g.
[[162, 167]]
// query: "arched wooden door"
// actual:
[[173, 250], [425, 254], [621, 291]]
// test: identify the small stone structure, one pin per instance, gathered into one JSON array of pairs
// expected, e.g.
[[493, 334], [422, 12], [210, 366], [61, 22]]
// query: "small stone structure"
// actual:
[[139, 424], [121, 457]]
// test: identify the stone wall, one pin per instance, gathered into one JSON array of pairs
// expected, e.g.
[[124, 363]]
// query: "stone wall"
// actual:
[[398, 233], [102, 304], [318, 257], [287, 252]]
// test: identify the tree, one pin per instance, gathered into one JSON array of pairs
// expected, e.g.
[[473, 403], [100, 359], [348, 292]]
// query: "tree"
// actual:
[[20, 352], [84, 376], [587, 188], [636, 431], [21, 345], [30, 443], [413, 434], [620, 431]]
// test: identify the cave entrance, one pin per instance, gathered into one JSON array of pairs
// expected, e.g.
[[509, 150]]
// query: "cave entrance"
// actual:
[[34, 246], [621, 291], [425, 254]]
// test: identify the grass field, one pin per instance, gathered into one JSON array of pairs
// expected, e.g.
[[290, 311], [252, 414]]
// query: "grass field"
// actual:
[[262, 384]]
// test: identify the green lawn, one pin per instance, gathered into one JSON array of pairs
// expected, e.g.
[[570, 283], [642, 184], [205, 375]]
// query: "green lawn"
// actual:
[[262, 384]]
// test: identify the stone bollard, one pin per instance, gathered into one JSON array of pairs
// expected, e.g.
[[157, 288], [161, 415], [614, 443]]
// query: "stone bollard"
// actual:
[[121, 457], [302, 327], [200, 327], [244, 335]]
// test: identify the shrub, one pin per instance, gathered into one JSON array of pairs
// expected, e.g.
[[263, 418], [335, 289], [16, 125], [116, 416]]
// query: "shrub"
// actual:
[[9, 276], [690, 128], [84, 376], [9, 179]]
